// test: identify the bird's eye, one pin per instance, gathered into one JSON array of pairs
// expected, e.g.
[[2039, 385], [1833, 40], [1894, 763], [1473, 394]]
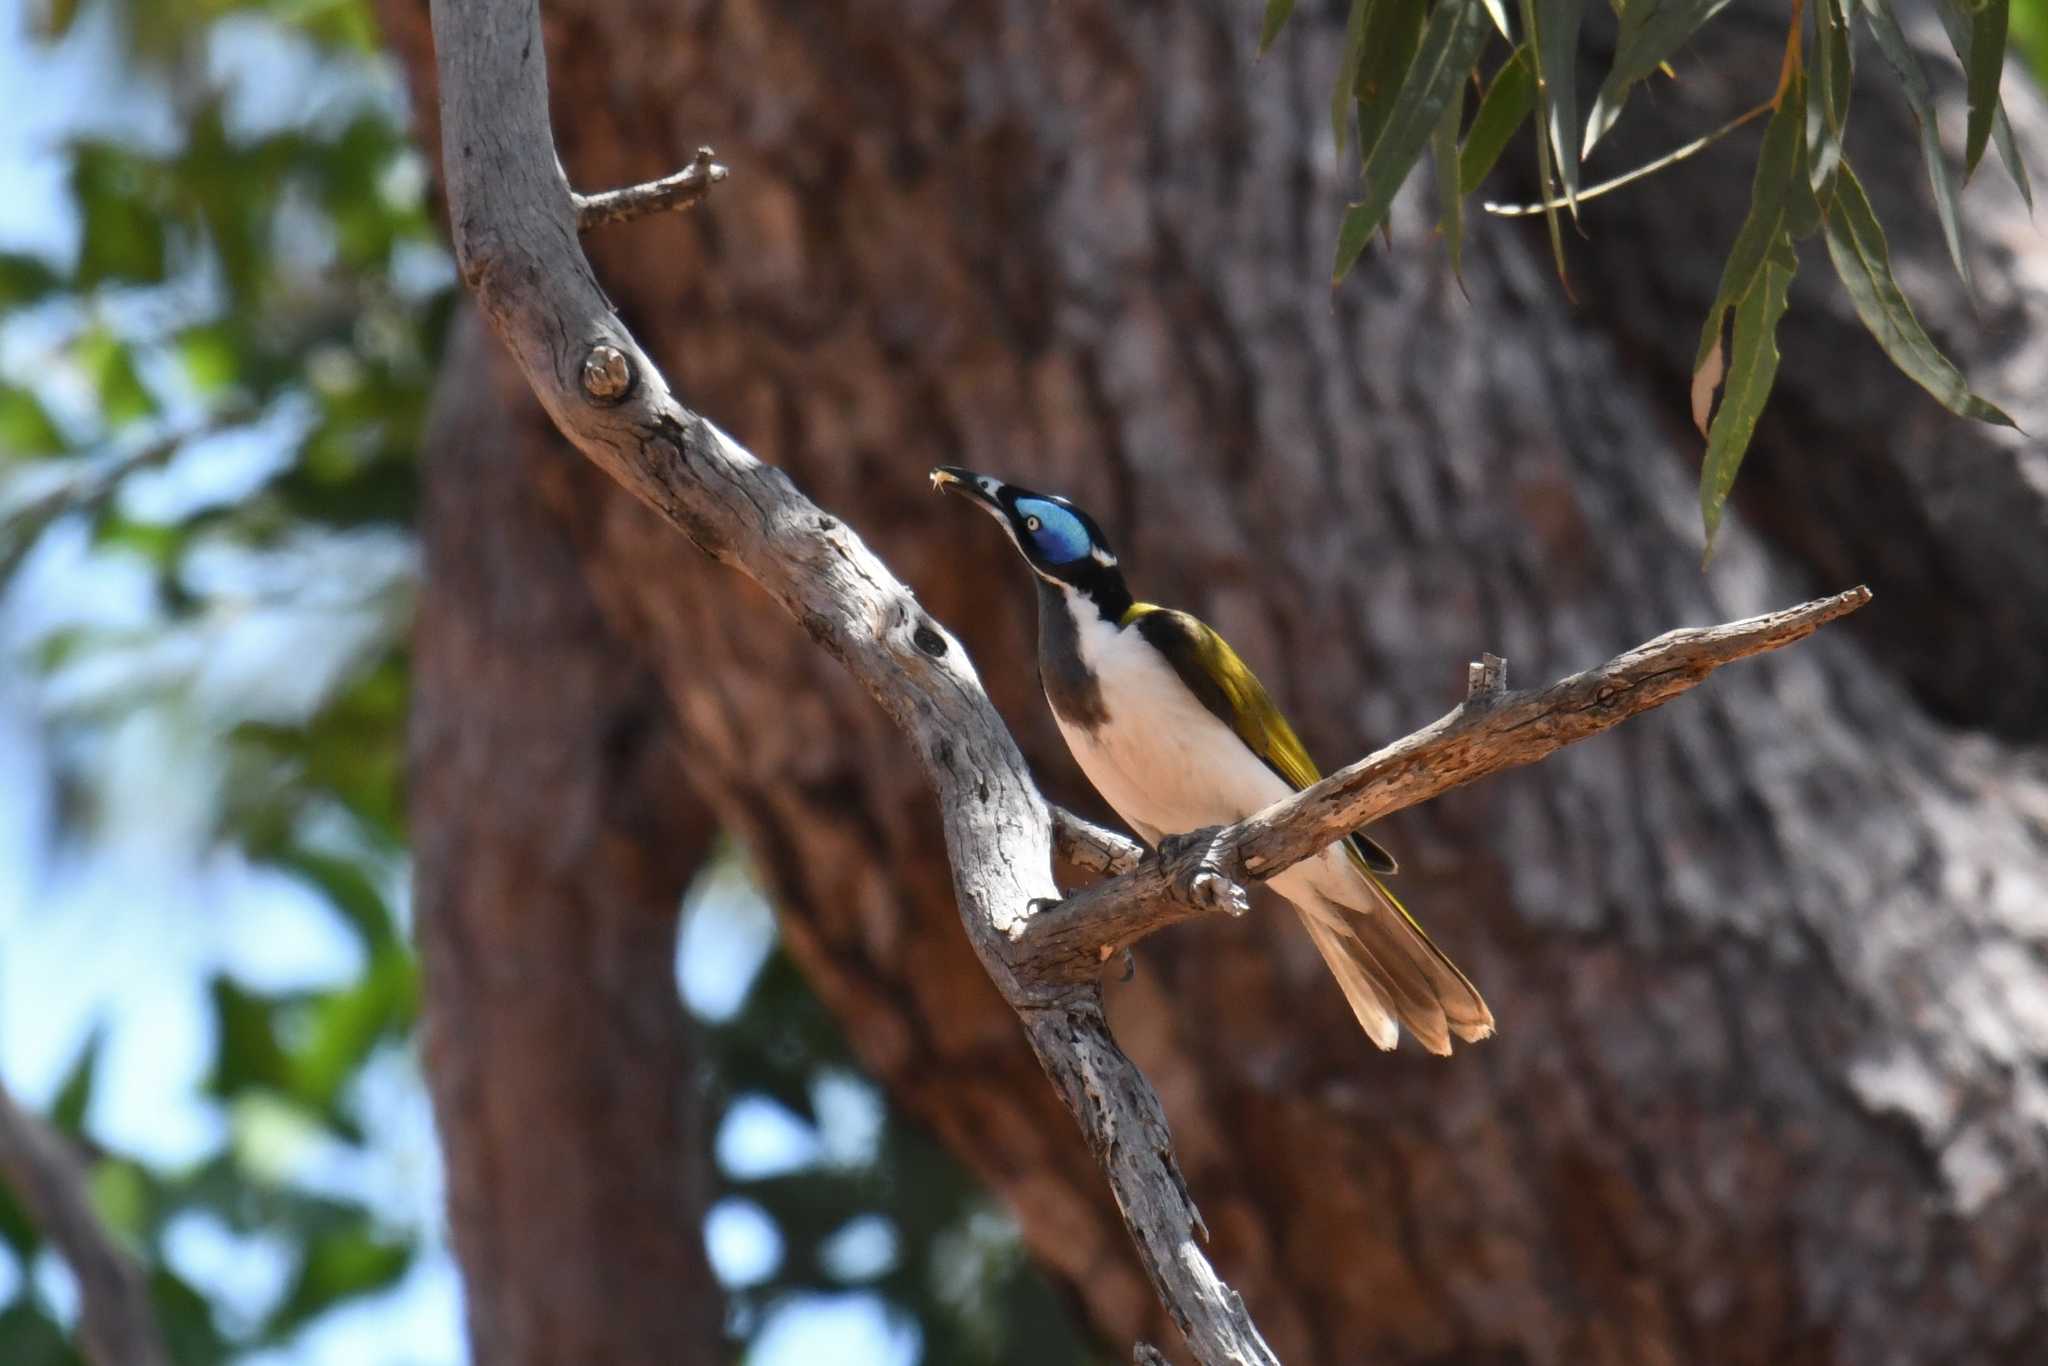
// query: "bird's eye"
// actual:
[[1032, 524]]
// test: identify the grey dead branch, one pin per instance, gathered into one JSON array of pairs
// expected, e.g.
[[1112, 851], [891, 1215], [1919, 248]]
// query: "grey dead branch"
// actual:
[[516, 221]]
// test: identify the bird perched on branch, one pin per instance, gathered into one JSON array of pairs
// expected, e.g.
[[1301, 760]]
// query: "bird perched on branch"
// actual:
[[1177, 734]]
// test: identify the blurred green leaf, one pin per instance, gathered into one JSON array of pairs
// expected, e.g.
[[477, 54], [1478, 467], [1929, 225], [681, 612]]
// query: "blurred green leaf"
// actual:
[[1650, 33], [54, 18], [1857, 247], [1442, 62], [1984, 64], [1905, 64], [26, 428], [121, 1196], [25, 280], [1276, 19], [1751, 372], [123, 229], [1450, 203], [110, 362], [1508, 101], [67, 1110], [1343, 94], [249, 1055], [29, 1338], [211, 359], [190, 1334], [338, 1265], [1554, 40]]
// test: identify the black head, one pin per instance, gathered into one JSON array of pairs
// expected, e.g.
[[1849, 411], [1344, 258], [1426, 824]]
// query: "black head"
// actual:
[[1060, 542]]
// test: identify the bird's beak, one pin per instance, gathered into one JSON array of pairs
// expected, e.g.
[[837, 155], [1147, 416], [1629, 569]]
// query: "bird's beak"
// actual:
[[979, 489]]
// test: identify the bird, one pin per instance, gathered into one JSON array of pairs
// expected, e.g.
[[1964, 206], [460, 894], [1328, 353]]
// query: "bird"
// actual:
[[1177, 734]]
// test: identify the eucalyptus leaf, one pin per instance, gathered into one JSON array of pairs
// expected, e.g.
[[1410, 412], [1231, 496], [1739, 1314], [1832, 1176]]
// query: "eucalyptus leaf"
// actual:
[[1646, 43], [1959, 37], [1779, 182], [1437, 75], [1443, 150], [1508, 101], [1276, 19], [1857, 247], [26, 428], [1347, 70], [1554, 39], [1392, 33], [1983, 65], [1898, 53], [1751, 372], [1830, 78]]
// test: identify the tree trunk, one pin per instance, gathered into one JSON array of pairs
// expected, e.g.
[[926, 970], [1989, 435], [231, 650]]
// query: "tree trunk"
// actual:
[[1768, 965], [553, 836]]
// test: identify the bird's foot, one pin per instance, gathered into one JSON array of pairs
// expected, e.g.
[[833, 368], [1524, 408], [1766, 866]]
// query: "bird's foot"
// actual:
[[1206, 887]]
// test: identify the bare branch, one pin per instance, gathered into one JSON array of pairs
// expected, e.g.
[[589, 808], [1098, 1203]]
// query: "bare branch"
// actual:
[[117, 1325], [515, 222], [1089, 846], [1485, 735], [683, 190]]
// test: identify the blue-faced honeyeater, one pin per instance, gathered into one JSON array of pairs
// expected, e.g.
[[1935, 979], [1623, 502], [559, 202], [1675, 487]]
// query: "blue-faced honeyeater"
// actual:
[[1177, 734]]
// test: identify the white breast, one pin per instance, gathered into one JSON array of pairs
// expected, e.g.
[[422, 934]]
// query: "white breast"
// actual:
[[1162, 760]]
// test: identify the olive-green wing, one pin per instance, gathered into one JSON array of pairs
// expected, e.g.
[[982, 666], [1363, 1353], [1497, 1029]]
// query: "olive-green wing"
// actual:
[[1232, 692]]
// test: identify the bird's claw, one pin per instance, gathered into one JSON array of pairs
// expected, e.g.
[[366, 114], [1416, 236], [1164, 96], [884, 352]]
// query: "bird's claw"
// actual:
[[1214, 892]]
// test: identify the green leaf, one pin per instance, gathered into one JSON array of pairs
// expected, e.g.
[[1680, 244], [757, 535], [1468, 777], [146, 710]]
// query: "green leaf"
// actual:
[[1883, 24], [1831, 72], [1984, 64], [1856, 245], [1750, 376], [67, 1111], [1392, 31], [1443, 150], [56, 19], [340, 1264], [1507, 102], [1554, 38], [25, 425], [124, 398], [1342, 97], [1437, 74], [25, 279], [1780, 180], [1959, 38], [122, 236], [1276, 19], [28, 1338], [1651, 30]]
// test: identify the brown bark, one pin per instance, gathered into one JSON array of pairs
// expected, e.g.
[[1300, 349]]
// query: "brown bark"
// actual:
[[554, 833], [1768, 1086]]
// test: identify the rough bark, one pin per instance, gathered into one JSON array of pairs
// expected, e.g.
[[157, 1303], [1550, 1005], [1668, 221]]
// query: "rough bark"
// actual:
[[554, 832], [1769, 1081]]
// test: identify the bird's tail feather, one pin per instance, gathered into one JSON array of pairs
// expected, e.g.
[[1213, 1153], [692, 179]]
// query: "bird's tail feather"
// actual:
[[1390, 970]]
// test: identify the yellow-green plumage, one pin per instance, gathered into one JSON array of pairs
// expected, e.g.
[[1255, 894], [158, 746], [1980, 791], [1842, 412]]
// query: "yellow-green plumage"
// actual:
[[1420, 982]]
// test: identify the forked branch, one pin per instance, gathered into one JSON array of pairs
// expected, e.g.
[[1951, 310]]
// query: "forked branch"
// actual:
[[515, 222]]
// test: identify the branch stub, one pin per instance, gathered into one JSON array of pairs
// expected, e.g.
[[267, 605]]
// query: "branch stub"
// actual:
[[607, 374]]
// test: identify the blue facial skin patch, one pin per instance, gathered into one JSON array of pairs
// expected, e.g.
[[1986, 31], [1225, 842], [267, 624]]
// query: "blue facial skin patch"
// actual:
[[1060, 537]]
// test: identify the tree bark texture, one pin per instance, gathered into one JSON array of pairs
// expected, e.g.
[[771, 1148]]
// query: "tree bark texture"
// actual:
[[555, 831], [1769, 966]]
